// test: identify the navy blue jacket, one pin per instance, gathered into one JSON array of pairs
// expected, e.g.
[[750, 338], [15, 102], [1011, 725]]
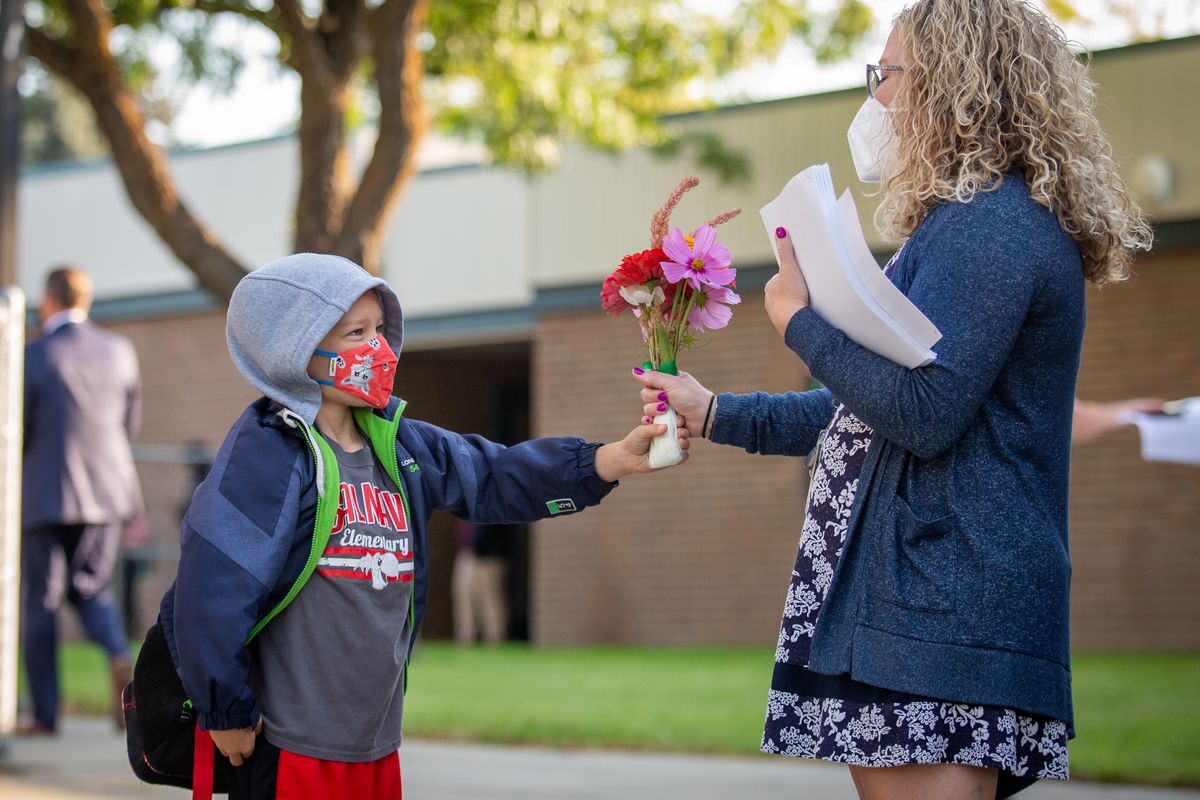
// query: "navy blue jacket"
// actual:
[[955, 577], [247, 533], [82, 405]]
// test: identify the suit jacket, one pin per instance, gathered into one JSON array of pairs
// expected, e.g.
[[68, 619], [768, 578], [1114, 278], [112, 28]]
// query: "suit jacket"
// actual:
[[82, 405]]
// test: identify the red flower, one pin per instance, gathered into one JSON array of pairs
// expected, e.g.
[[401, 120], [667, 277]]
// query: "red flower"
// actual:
[[610, 297], [641, 267], [636, 268]]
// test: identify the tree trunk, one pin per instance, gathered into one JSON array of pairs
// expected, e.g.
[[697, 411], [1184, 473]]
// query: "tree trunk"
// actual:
[[325, 52], [403, 121], [324, 166], [90, 67]]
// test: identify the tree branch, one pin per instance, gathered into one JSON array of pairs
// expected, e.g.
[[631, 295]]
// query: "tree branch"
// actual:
[[403, 120], [326, 54], [265, 18], [90, 67], [344, 34], [306, 50], [55, 56]]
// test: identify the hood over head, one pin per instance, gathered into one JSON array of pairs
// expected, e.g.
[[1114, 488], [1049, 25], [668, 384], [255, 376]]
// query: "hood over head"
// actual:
[[280, 313]]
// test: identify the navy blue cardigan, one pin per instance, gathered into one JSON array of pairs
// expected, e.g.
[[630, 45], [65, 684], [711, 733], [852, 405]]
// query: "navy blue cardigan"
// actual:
[[955, 577]]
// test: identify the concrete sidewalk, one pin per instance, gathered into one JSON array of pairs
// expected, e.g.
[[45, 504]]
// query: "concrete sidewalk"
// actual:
[[87, 761]]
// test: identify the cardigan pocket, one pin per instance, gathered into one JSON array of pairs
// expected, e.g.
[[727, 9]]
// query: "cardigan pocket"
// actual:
[[915, 560]]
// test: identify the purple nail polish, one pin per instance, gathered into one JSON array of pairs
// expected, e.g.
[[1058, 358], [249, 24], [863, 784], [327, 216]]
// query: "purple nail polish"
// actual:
[[662, 407], [639, 371], [780, 233], [647, 420], [662, 396]]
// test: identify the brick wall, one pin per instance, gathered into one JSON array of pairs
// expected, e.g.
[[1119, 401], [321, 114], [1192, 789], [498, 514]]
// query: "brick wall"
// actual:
[[698, 554], [703, 553], [1135, 525]]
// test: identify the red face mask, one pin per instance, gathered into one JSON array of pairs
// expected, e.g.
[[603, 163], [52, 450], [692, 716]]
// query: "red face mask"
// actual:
[[366, 371]]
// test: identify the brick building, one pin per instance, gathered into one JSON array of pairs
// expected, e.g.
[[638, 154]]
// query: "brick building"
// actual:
[[500, 276]]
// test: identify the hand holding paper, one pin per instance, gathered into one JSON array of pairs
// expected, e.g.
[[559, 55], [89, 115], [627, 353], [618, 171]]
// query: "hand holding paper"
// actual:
[[845, 285], [787, 291]]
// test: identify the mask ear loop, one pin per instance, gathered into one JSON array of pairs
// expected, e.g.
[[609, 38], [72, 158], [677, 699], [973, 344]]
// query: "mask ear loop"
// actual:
[[334, 358]]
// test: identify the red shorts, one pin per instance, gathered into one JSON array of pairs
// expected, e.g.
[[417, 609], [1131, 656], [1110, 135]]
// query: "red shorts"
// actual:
[[301, 777], [274, 774]]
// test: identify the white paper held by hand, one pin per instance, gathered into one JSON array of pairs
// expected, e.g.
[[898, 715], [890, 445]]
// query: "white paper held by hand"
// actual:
[[847, 287], [1174, 438]]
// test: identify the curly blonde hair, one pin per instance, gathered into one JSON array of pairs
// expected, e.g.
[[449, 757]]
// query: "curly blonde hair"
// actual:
[[991, 86]]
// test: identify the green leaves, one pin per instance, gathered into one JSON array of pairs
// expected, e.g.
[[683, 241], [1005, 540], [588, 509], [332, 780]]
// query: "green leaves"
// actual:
[[518, 75], [521, 76]]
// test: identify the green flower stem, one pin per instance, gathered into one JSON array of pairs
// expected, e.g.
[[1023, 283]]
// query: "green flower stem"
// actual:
[[663, 341], [679, 325]]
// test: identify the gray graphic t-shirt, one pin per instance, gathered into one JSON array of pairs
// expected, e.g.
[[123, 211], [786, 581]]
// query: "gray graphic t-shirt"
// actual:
[[329, 671]]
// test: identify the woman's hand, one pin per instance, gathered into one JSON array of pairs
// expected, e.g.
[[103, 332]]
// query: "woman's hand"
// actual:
[[628, 456], [682, 392], [787, 291], [236, 744]]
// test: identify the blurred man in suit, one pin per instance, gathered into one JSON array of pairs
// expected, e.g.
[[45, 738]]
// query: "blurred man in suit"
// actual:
[[79, 485]]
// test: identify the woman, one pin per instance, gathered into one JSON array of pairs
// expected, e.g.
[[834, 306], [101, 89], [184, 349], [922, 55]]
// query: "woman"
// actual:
[[924, 638]]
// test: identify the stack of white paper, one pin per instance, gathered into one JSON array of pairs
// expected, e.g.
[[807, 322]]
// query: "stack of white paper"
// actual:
[[845, 284], [1173, 436]]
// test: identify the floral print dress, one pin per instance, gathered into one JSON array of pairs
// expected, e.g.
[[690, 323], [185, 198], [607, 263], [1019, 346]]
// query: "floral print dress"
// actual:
[[835, 718]]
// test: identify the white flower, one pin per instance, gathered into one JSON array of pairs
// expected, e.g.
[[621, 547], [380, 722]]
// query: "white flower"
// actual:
[[639, 295]]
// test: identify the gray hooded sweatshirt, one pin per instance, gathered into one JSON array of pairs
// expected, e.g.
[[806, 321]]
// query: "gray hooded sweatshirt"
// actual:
[[281, 312]]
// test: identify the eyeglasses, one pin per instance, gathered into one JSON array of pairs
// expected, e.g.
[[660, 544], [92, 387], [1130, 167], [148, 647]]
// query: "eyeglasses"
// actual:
[[876, 76]]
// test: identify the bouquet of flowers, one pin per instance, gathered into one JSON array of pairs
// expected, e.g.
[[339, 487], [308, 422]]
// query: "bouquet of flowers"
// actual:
[[681, 286]]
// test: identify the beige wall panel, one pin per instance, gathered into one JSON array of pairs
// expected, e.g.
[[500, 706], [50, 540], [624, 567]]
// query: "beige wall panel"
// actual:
[[460, 242], [1146, 109], [80, 214]]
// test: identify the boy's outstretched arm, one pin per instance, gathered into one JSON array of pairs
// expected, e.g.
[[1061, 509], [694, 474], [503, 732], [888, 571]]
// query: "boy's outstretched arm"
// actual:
[[482, 481]]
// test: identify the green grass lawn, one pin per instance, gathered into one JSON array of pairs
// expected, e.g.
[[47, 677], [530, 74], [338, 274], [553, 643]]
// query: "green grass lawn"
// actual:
[[1137, 715]]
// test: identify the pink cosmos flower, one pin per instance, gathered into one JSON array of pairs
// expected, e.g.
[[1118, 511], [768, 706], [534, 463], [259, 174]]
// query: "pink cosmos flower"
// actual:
[[712, 310], [699, 261]]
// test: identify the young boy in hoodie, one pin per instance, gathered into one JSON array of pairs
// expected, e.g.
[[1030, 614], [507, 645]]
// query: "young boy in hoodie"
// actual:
[[312, 708]]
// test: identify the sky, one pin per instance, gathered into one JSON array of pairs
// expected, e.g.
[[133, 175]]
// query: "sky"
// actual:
[[266, 99]]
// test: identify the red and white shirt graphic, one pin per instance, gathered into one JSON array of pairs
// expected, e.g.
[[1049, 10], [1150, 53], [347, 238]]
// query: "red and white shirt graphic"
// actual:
[[370, 538]]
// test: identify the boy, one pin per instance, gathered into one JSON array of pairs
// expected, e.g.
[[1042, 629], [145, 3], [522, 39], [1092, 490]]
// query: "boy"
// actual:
[[313, 707]]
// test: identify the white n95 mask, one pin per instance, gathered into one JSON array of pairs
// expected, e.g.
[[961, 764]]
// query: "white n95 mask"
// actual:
[[873, 142]]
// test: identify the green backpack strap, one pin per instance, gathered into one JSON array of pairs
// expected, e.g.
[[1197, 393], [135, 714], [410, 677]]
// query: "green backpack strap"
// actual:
[[327, 504], [382, 435]]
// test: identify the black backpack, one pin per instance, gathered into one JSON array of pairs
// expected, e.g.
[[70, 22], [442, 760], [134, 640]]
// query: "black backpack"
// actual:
[[165, 744]]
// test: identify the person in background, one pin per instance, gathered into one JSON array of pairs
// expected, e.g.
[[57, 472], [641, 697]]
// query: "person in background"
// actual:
[[137, 558], [477, 583], [79, 486]]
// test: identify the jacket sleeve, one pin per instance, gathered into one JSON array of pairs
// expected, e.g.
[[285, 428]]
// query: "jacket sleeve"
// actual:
[[482, 481], [773, 424], [978, 291], [237, 534]]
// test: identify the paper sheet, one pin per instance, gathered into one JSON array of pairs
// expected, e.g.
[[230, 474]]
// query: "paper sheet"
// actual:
[[847, 287], [1174, 438]]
